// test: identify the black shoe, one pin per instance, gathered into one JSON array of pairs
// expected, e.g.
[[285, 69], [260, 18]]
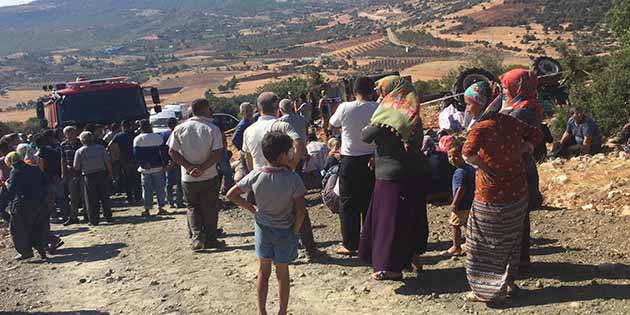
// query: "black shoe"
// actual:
[[58, 243], [109, 220], [71, 221], [221, 233], [215, 244], [197, 246], [20, 257]]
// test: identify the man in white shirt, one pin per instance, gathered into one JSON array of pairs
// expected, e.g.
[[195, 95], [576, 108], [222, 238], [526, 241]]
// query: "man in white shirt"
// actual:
[[356, 179], [252, 146], [197, 145]]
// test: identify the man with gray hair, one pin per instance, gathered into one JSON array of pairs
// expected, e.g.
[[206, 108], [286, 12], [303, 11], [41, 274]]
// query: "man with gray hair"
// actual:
[[289, 116], [252, 146], [95, 165], [72, 178]]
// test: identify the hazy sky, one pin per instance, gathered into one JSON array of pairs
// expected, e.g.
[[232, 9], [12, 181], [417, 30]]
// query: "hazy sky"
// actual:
[[4, 3]]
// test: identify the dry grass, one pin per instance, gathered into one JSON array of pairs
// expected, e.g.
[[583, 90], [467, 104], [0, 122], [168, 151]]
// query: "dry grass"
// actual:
[[434, 70], [19, 96], [17, 115]]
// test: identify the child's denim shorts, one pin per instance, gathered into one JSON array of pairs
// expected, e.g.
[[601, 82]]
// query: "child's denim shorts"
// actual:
[[279, 245]]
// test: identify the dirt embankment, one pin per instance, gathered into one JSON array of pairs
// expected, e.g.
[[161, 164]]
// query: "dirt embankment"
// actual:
[[144, 266]]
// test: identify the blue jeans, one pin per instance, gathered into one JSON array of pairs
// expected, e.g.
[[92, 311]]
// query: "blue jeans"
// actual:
[[153, 183], [174, 178], [225, 169]]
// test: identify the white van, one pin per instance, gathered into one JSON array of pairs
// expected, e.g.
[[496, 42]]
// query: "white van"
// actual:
[[159, 121]]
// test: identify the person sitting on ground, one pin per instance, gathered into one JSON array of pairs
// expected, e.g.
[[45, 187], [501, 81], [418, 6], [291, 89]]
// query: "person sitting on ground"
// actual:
[[334, 153], [623, 140], [279, 214], [93, 162], [315, 160], [463, 194], [581, 137], [30, 226]]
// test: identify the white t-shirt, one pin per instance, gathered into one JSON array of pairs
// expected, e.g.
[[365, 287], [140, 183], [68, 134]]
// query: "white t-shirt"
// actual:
[[252, 139], [352, 117], [195, 140], [317, 152]]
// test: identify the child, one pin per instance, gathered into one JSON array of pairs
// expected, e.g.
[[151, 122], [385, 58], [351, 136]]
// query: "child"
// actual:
[[463, 193], [278, 215]]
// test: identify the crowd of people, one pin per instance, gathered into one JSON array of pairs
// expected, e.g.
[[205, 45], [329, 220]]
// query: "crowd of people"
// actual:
[[377, 169]]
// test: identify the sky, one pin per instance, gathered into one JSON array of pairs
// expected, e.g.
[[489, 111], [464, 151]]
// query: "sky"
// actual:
[[4, 3]]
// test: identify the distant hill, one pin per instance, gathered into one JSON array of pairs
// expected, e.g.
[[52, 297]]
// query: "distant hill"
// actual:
[[57, 24]]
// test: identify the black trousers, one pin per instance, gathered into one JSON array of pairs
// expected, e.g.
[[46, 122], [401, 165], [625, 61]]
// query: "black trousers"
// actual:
[[30, 226], [97, 187], [356, 183], [130, 179]]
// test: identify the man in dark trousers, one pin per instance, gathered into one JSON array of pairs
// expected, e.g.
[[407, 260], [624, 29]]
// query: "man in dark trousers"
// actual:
[[121, 148], [72, 178]]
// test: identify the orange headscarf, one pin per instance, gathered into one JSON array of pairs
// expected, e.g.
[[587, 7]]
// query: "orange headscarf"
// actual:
[[522, 88]]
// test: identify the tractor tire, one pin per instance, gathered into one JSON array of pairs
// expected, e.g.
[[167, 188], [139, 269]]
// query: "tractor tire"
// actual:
[[465, 79], [547, 67]]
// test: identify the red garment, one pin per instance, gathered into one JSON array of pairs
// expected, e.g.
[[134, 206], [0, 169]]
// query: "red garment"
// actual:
[[498, 141], [522, 88]]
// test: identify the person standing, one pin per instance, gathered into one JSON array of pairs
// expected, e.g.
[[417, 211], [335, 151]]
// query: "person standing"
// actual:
[[252, 145], [173, 173], [95, 165], [197, 145], [117, 186], [325, 104], [304, 109], [247, 112], [148, 151], [121, 147], [72, 178], [356, 179], [396, 228], [30, 227], [49, 162], [494, 145], [278, 216]]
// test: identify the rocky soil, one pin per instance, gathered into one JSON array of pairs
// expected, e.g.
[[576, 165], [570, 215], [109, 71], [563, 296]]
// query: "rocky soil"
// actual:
[[581, 265]]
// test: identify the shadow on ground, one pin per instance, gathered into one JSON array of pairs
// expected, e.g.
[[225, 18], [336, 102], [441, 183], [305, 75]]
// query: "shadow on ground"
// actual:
[[87, 254], [57, 313]]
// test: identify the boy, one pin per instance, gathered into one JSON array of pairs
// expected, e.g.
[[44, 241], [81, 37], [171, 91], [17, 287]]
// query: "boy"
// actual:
[[463, 194], [278, 215]]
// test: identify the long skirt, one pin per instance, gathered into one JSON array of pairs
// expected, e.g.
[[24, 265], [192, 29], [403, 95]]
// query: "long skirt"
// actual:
[[396, 225], [493, 245]]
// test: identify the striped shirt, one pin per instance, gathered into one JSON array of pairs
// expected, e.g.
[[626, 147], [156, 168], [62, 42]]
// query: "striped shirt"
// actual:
[[149, 151]]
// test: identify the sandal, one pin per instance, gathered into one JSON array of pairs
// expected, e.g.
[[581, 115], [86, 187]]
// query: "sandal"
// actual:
[[473, 298], [384, 275], [341, 250]]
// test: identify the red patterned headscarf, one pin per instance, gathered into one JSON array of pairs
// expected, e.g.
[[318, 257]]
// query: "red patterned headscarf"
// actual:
[[522, 88]]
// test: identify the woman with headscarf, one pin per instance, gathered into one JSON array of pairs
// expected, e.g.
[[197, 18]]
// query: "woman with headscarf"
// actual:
[[395, 230], [29, 212], [494, 145], [520, 90]]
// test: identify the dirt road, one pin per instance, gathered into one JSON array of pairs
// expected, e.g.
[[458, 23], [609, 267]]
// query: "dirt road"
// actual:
[[145, 266]]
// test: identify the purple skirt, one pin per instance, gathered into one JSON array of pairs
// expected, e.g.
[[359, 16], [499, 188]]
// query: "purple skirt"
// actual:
[[396, 225]]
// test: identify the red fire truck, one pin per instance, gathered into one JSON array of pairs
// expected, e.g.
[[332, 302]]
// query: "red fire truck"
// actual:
[[102, 101]]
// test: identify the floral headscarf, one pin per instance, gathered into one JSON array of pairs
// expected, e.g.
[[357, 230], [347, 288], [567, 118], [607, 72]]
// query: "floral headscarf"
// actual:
[[487, 95], [522, 88], [12, 159], [398, 108]]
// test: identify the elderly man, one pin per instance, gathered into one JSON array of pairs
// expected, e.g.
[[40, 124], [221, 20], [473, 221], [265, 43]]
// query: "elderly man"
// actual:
[[581, 137], [95, 165], [252, 146], [197, 145], [72, 178]]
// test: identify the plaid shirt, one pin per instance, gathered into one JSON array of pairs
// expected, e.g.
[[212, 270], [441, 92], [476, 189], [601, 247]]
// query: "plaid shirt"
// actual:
[[67, 156]]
